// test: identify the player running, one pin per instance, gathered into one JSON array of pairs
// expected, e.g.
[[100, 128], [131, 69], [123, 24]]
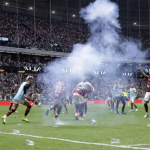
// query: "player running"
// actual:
[[88, 86], [79, 95], [147, 95], [58, 96], [21, 98], [13, 92], [132, 97]]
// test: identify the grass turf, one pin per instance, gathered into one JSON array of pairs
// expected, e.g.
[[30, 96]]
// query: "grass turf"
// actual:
[[130, 129]]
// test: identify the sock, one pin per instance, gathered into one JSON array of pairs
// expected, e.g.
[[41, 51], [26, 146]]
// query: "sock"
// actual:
[[135, 106], [10, 107], [85, 108], [10, 112], [132, 106], [39, 104], [27, 110], [65, 107], [146, 108]]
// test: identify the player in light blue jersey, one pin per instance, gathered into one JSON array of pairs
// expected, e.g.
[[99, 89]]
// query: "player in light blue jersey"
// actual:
[[21, 98], [132, 97]]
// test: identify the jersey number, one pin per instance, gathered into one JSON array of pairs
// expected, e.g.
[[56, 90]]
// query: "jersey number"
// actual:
[[58, 89]]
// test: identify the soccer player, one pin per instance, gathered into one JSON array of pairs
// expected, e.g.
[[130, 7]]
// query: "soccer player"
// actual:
[[13, 92], [132, 97], [126, 95], [147, 95], [21, 98], [79, 95], [119, 96], [58, 96], [88, 86]]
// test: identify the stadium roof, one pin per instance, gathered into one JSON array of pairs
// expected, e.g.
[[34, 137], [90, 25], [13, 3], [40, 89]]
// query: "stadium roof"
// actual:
[[131, 11]]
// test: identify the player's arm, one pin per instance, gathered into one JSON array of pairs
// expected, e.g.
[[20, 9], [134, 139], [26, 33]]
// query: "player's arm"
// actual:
[[91, 86], [126, 85], [114, 88], [25, 92], [12, 91], [135, 93], [142, 71], [75, 88], [106, 84]]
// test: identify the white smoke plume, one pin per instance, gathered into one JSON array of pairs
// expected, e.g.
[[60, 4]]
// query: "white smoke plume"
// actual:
[[105, 42]]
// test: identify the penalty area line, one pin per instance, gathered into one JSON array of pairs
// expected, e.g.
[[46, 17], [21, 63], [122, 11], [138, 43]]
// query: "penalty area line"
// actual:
[[78, 142]]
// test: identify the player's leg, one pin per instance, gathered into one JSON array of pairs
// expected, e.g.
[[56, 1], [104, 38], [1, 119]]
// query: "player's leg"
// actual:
[[85, 107], [14, 108], [117, 105], [112, 105], [76, 111], [81, 108], [11, 104], [26, 103], [146, 99], [59, 108], [123, 100], [136, 109], [65, 105]]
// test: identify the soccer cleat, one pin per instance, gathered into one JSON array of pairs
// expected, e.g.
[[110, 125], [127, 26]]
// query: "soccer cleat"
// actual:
[[76, 118], [67, 112], [4, 119], [117, 113], [146, 115], [47, 111], [131, 110], [16, 111], [25, 119], [84, 115], [123, 113], [136, 109], [81, 119]]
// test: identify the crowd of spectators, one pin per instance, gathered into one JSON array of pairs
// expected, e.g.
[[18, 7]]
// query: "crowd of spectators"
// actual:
[[26, 32]]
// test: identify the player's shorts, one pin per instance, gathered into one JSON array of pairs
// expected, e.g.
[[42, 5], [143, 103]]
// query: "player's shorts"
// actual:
[[57, 102], [131, 100], [78, 99], [17, 101], [108, 98], [147, 96]]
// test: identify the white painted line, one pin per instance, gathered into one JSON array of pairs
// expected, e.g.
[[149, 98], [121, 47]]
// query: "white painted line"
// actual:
[[139, 145], [79, 142]]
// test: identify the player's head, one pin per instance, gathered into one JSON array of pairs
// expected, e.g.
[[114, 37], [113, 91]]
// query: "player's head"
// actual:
[[84, 79], [132, 85], [30, 79], [119, 80], [15, 85]]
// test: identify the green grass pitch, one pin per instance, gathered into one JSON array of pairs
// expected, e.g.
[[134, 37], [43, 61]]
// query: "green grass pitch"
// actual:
[[130, 129]]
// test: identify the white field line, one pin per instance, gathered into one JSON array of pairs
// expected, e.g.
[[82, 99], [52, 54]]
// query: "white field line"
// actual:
[[138, 144], [79, 142]]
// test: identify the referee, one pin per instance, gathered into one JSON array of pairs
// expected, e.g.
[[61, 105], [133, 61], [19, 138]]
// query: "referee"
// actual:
[[118, 88]]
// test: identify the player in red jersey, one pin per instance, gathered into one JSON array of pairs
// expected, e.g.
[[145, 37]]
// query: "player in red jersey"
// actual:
[[58, 96], [79, 95], [147, 95]]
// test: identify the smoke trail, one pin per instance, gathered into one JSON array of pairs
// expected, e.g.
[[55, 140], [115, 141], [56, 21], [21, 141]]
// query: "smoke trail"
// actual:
[[105, 42]]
